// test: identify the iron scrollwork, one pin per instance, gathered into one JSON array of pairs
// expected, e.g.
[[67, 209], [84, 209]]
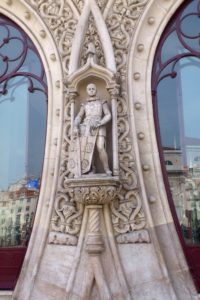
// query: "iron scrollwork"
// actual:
[[187, 43], [14, 63]]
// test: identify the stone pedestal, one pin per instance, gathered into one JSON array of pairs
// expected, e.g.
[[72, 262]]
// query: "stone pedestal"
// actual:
[[96, 241]]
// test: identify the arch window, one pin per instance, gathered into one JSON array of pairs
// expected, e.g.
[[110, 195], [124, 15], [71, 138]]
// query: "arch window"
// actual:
[[176, 99], [23, 111]]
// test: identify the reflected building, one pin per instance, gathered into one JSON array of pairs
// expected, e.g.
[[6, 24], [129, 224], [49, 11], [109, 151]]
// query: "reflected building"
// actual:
[[17, 206], [184, 180]]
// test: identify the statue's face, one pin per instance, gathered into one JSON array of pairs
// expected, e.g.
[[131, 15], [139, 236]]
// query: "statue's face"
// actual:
[[91, 89]]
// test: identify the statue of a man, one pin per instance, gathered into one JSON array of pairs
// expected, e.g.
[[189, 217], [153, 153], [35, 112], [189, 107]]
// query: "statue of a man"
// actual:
[[90, 131]]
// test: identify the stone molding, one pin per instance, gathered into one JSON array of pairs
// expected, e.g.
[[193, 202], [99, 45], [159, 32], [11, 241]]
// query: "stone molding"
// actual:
[[157, 210], [23, 14]]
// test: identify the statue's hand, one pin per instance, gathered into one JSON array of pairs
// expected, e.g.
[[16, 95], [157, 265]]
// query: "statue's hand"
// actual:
[[97, 124]]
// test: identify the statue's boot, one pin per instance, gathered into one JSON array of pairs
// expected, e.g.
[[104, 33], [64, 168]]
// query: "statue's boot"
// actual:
[[104, 159]]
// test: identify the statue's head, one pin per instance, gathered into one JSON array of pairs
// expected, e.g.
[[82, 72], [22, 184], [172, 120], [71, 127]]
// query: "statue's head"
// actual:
[[91, 89]]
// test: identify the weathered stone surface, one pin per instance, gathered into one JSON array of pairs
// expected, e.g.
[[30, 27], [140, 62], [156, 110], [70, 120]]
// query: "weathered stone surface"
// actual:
[[83, 254]]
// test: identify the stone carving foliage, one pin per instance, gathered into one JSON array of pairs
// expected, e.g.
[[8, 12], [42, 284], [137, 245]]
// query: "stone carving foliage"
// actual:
[[80, 3], [93, 195], [121, 23], [92, 37], [127, 212], [101, 3], [60, 20], [68, 216], [128, 216]]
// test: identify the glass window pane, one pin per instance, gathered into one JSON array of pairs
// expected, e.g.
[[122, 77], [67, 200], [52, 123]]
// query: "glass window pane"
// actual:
[[179, 119], [177, 93], [23, 111]]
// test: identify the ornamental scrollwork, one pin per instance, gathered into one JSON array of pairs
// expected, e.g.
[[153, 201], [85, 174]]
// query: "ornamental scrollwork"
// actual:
[[95, 195], [61, 21], [66, 220], [80, 4], [67, 215], [13, 63], [101, 3], [92, 36], [127, 211], [121, 23]]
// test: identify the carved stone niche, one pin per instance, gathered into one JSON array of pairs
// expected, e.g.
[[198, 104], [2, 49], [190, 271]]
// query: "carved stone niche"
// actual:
[[85, 149], [93, 182]]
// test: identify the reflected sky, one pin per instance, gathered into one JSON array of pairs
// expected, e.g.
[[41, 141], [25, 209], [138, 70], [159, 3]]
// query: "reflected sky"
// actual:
[[179, 105], [190, 88], [176, 86], [13, 119], [23, 113], [22, 132], [23, 106]]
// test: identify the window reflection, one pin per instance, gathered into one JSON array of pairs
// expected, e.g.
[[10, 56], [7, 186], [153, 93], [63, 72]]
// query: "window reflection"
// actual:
[[177, 92], [179, 119], [23, 110]]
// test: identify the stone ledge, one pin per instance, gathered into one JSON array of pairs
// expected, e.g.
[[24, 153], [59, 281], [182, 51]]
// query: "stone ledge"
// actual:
[[6, 295]]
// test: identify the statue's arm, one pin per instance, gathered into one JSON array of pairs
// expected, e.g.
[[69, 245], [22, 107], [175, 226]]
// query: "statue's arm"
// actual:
[[79, 116], [107, 114]]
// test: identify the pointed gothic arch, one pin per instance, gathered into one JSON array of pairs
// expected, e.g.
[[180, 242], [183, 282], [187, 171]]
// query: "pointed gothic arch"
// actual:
[[145, 41], [177, 68], [34, 27]]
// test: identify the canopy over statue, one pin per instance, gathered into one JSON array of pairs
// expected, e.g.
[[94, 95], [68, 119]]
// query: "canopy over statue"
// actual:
[[89, 131]]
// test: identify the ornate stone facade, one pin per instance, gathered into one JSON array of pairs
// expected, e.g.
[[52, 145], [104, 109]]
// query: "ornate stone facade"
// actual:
[[80, 4], [99, 236], [60, 19], [120, 27], [92, 36]]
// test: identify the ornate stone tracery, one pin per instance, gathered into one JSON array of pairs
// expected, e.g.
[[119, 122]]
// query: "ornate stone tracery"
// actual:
[[121, 22], [61, 21], [123, 206], [80, 4], [92, 36]]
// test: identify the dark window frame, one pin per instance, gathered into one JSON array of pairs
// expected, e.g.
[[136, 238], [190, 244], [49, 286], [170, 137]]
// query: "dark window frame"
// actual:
[[11, 258], [192, 252]]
